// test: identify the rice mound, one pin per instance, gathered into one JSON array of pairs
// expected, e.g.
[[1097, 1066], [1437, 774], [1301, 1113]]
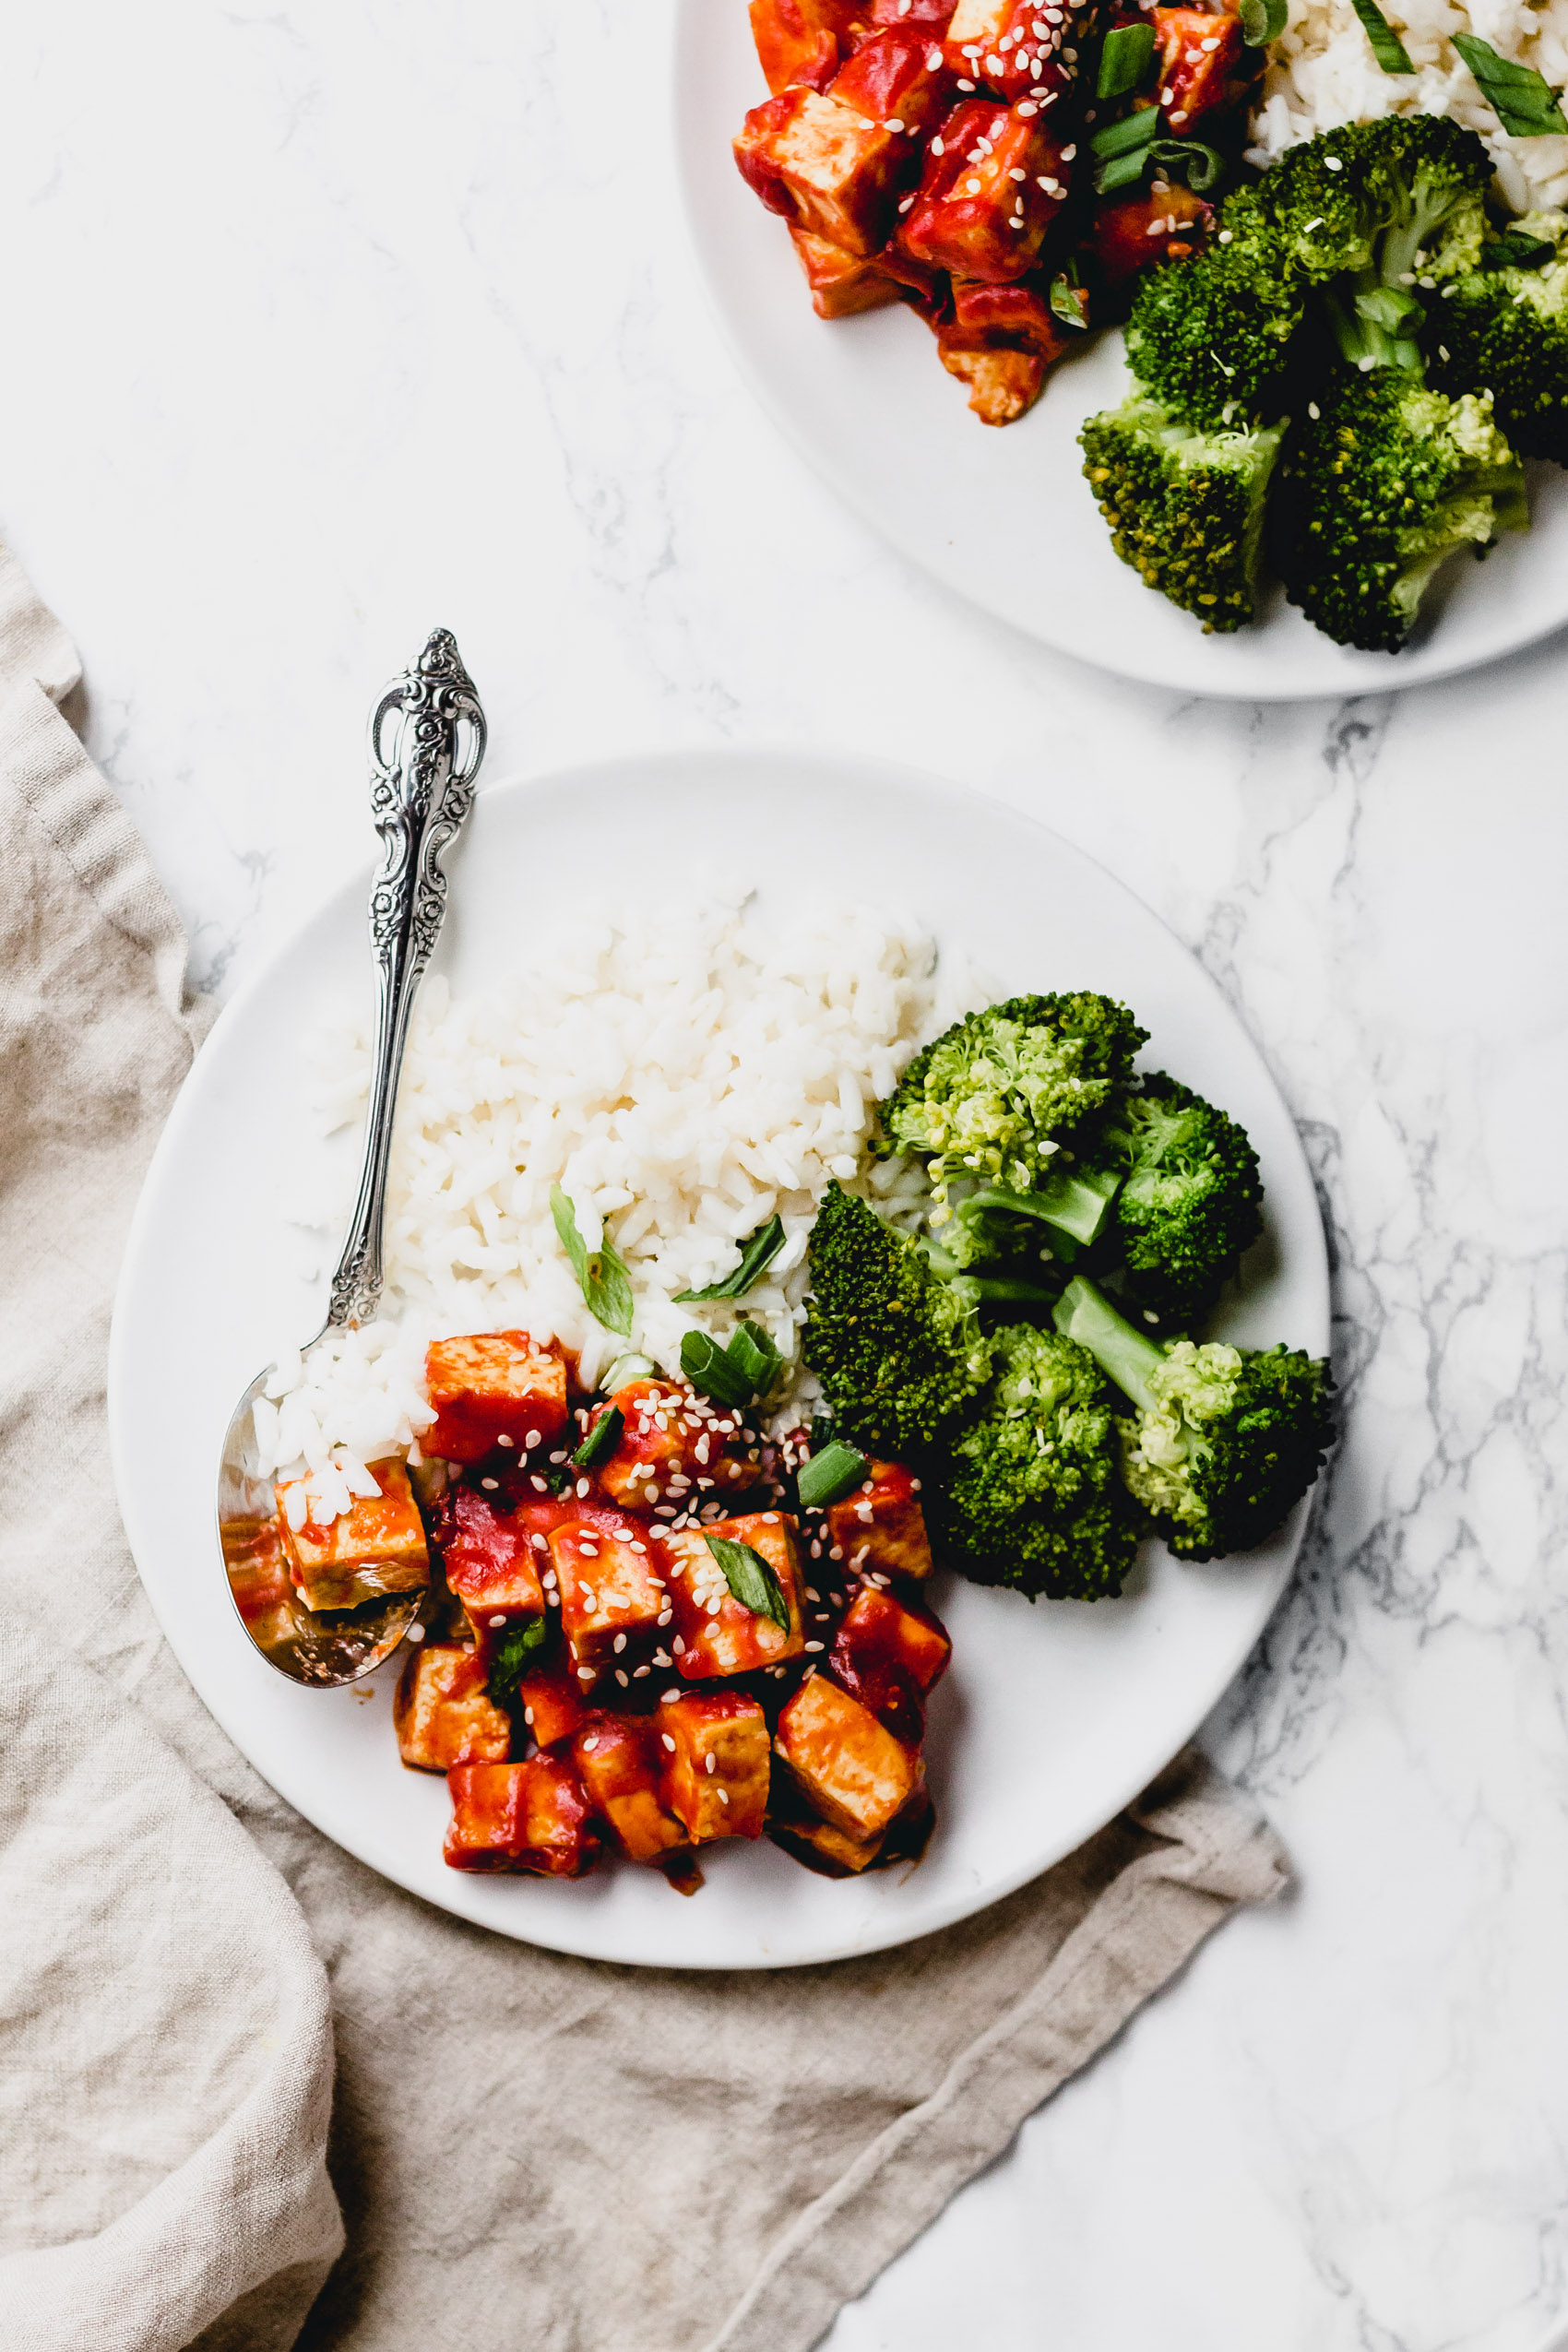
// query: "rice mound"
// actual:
[[682, 1077], [1322, 73]]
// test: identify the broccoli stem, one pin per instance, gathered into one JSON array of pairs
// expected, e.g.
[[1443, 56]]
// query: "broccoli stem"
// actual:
[[1374, 324], [1002, 1289], [1076, 1206], [1084, 1314]]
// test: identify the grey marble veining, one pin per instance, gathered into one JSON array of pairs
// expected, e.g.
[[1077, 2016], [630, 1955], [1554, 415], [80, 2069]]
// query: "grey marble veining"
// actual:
[[329, 324]]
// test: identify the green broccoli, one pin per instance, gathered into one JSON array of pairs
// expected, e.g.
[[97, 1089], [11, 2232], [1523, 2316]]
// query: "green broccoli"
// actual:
[[898, 1352], [1224, 1441], [1380, 204], [1505, 328], [1030, 1494], [1189, 1203], [996, 1093], [1207, 338], [1185, 508], [1377, 488]]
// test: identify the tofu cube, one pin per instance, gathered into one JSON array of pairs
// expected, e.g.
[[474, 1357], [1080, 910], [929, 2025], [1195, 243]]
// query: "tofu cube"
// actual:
[[1016, 317], [673, 1446], [715, 1764], [492, 1386], [378, 1546], [618, 1757], [826, 166], [489, 1563], [1131, 234], [715, 1633], [930, 16], [611, 1591], [1200, 57], [533, 1818], [895, 78], [257, 1568], [443, 1714], [551, 1708], [842, 284], [1004, 385], [849, 1767], [880, 1526], [801, 40], [1009, 47], [888, 1653], [987, 200], [822, 1847]]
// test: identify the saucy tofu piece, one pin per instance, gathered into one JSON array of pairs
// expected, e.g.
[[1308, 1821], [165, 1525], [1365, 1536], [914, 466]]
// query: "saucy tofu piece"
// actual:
[[443, 1715], [714, 1632], [1004, 385], [842, 284], [821, 1847], [611, 1591], [888, 1653], [848, 1766], [551, 1708], [986, 201], [1199, 55], [257, 1568], [1016, 317], [534, 1818], [715, 1764], [880, 1526], [1134, 233], [801, 40], [836, 160], [377, 1547], [489, 1563], [1010, 47], [620, 1760], [671, 1446], [493, 1388]]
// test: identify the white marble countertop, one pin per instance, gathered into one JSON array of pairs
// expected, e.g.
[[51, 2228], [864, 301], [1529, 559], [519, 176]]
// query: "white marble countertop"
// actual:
[[329, 324]]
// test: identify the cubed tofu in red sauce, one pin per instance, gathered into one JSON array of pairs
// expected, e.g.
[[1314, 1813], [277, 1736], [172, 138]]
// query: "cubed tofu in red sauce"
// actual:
[[494, 1391], [533, 1817], [377, 1547]]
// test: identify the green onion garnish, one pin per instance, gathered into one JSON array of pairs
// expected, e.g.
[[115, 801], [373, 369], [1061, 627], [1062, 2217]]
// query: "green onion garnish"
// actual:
[[600, 1440], [1523, 101], [830, 1475]]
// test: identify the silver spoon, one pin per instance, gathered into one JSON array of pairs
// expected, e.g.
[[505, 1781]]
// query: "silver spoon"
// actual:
[[427, 738]]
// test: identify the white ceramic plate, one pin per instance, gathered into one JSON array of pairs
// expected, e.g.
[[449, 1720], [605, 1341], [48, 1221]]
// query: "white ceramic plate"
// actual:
[[1005, 515], [1052, 1717]]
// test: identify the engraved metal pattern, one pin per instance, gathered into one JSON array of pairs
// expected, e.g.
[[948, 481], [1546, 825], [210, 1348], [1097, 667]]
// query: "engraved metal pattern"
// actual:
[[427, 738]]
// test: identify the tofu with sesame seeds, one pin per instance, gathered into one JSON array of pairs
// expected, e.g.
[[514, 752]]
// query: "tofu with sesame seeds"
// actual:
[[619, 1759], [881, 1526], [444, 1714], [715, 1764], [489, 1563], [551, 1706], [532, 1818], [610, 1592], [377, 1546], [835, 161], [720, 1633], [1016, 317], [670, 1438], [1200, 57], [985, 203], [1008, 46], [493, 1389], [848, 1766]]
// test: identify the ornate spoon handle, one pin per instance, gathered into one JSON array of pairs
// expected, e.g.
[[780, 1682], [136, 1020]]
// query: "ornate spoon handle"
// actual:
[[427, 737]]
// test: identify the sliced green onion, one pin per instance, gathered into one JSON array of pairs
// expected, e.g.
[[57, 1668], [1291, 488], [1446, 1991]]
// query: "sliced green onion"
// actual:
[[1069, 301], [711, 1373], [1523, 101], [508, 1657], [600, 1440], [830, 1475], [1262, 21], [759, 1253], [1517, 250], [624, 1370], [751, 1579], [1199, 165], [1124, 60], [601, 1276], [1134, 131], [755, 1356], [1385, 44]]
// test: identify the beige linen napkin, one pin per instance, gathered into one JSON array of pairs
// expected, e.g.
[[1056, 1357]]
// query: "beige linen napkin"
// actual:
[[531, 2150]]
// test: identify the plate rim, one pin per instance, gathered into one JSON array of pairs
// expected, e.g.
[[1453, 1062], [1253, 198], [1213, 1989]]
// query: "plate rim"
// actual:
[[555, 1930], [1419, 666]]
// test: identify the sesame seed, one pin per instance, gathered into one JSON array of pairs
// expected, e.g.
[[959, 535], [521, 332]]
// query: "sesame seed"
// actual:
[[415, 1633], [620, 1677], [498, 1621], [590, 1743], [668, 1698], [620, 1644], [1015, 174], [711, 1764], [582, 1489], [490, 1485], [667, 1742], [637, 1673], [1333, 163], [815, 1645], [527, 1716], [585, 1674], [532, 1438], [722, 1795], [893, 123], [539, 1485], [906, 204], [964, 85], [507, 1441]]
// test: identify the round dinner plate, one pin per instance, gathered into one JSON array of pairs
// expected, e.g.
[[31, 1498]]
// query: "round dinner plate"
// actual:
[[1052, 1717], [1005, 515]]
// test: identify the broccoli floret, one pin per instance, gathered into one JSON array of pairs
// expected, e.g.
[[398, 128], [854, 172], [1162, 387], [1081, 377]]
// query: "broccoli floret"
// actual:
[[898, 1352], [1381, 202], [1031, 1496], [996, 1093], [1190, 1200], [1377, 490], [1506, 329], [1185, 509], [1208, 337], [1224, 1440]]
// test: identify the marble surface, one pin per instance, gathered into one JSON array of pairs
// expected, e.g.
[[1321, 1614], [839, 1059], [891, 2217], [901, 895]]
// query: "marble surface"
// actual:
[[328, 324]]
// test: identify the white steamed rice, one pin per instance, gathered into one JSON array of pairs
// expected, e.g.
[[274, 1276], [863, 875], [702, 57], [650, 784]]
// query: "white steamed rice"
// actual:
[[681, 1076], [1322, 73]]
